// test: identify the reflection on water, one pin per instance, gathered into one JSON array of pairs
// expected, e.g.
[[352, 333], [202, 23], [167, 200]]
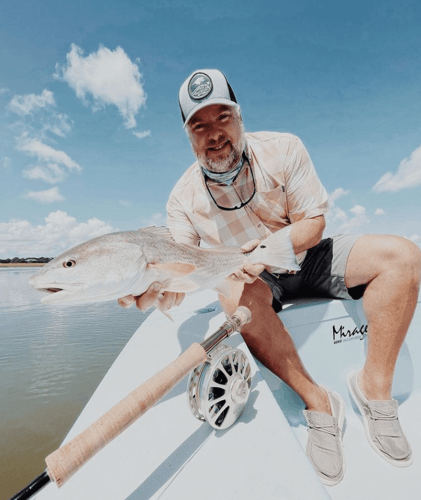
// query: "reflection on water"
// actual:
[[52, 358]]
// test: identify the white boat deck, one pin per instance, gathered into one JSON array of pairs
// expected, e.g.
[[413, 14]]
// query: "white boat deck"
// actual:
[[367, 475], [169, 454]]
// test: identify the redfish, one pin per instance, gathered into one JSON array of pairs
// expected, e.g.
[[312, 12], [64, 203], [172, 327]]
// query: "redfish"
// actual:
[[127, 263]]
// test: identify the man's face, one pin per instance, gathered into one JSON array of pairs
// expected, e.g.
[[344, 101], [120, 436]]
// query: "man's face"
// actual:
[[217, 137]]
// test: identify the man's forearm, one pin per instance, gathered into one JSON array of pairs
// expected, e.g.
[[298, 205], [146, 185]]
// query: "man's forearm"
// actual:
[[307, 233]]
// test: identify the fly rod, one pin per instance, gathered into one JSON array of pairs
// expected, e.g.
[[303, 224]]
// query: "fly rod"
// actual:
[[65, 461]]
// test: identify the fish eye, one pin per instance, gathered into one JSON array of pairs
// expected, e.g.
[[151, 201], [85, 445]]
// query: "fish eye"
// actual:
[[69, 263]]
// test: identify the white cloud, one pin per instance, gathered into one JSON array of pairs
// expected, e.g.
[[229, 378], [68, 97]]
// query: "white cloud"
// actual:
[[60, 232], [42, 151], [338, 221], [157, 219], [358, 210], [51, 173], [53, 165], [6, 162], [379, 211], [26, 104], [335, 213], [408, 175], [108, 76], [39, 115], [59, 124], [3, 90], [125, 203], [337, 194], [49, 196], [415, 238], [360, 218], [142, 135]]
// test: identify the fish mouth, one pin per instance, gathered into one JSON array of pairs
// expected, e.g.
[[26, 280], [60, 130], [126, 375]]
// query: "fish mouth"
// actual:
[[50, 290], [56, 288]]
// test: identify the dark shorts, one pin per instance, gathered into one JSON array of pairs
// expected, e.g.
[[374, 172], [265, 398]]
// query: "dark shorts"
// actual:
[[322, 274]]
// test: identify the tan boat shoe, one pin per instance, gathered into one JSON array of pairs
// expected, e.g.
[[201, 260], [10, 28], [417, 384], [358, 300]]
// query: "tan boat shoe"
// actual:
[[382, 427], [324, 445]]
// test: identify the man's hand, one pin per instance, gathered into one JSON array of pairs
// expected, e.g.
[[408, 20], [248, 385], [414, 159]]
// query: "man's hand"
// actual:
[[153, 297], [250, 272]]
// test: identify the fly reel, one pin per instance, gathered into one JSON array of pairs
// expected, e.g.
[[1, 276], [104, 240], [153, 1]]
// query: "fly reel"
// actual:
[[218, 389]]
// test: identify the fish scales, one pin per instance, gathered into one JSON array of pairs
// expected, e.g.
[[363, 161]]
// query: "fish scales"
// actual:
[[128, 262], [158, 249]]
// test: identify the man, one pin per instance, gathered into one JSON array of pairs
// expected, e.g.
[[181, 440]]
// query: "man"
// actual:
[[244, 187]]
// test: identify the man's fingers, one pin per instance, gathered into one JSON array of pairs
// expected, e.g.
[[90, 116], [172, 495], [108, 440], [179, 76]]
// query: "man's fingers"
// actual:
[[179, 299], [167, 299], [171, 299], [126, 301], [253, 269], [250, 245], [147, 299], [242, 277]]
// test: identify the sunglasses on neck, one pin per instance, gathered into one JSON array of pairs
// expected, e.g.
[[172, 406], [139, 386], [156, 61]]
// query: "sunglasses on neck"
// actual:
[[236, 195]]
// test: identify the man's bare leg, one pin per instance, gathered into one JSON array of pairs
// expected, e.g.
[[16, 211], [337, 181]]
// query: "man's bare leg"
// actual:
[[270, 342], [390, 266]]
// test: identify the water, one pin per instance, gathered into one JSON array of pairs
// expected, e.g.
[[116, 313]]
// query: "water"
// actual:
[[52, 358]]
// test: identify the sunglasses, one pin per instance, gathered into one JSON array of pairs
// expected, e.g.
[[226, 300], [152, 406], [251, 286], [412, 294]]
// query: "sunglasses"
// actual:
[[240, 190]]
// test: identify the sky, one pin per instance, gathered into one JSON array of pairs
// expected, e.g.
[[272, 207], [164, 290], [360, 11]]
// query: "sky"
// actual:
[[91, 137]]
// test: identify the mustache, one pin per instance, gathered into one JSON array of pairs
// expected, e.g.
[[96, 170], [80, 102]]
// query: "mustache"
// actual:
[[225, 164]]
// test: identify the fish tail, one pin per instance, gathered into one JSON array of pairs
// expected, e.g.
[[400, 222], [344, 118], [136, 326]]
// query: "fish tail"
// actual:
[[277, 251]]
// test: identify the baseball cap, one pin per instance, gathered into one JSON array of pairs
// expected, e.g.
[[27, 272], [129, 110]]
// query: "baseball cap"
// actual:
[[203, 88]]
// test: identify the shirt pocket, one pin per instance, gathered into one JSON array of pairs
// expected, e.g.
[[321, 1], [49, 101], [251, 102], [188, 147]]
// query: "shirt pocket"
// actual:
[[271, 207]]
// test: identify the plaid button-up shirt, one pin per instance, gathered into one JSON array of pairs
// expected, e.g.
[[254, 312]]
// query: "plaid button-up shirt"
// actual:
[[287, 190]]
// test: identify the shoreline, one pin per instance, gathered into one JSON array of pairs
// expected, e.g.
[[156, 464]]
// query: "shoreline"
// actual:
[[23, 264]]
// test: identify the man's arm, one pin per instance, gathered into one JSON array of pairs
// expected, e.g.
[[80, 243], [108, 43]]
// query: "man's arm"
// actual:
[[307, 203], [307, 233], [304, 234]]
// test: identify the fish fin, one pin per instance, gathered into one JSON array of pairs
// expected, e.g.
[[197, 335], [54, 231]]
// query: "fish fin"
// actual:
[[174, 268], [224, 288], [159, 306], [276, 250], [160, 231], [179, 284]]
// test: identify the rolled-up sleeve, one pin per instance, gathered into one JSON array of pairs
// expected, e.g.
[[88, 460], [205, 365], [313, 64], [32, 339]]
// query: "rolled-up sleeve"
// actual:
[[178, 223], [306, 196]]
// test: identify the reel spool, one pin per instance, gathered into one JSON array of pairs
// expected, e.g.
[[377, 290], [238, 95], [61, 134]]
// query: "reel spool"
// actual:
[[218, 389]]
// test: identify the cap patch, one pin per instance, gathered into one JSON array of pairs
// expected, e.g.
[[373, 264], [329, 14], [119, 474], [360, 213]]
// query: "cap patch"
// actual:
[[200, 86]]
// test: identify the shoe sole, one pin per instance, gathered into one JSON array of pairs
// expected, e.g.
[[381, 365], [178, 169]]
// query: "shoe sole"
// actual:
[[396, 463]]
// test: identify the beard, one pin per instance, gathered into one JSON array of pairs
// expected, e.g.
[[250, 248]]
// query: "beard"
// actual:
[[226, 164]]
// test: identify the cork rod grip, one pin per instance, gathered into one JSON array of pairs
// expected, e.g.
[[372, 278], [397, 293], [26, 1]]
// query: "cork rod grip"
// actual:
[[64, 462]]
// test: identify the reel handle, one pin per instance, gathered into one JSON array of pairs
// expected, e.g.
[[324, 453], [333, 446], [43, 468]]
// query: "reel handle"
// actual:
[[64, 462]]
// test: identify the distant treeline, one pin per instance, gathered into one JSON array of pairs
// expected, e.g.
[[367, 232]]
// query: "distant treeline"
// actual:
[[29, 260]]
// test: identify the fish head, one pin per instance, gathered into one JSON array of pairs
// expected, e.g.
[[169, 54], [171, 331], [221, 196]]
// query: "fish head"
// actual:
[[97, 270]]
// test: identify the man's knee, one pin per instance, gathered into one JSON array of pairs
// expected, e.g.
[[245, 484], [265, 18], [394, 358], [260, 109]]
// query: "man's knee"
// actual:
[[256, 295], [412, 258], [375, 255], [404, 256]]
